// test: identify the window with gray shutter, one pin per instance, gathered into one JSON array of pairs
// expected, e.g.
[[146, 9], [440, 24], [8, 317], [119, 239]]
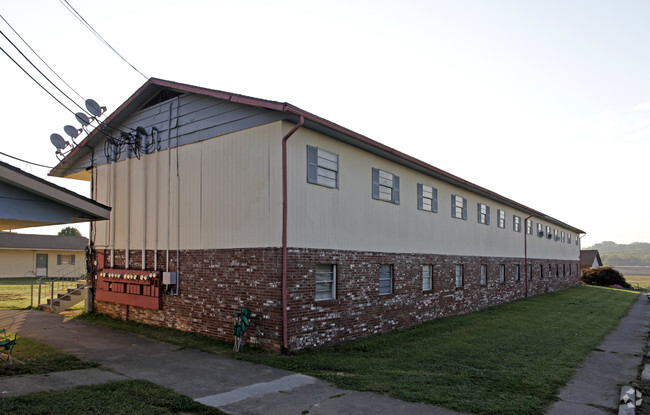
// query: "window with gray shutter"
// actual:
[[385, 186], [322, 167], [483, 213], [427, 198], [458, 207], [516, 223], [501, 218]]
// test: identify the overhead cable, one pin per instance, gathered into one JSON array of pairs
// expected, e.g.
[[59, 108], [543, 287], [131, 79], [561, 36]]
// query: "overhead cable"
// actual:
[[25, 161]]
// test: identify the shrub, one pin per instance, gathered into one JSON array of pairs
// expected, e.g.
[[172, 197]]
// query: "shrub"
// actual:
[[604, 276]]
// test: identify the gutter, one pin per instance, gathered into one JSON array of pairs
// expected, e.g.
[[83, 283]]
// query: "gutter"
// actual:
[[285, 336]]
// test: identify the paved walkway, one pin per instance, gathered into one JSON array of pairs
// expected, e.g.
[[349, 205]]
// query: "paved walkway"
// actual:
[[239, 387], [233, 386]]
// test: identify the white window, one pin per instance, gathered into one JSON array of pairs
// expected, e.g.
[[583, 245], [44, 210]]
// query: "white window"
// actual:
[[459, 276], [568, 238], [563, 236], [529, 226], [483, 213], [325, 281], [540, 230], [549, 235], [483, 274], [322, 167], [502, 273], [427, 277], [385, 186], [65, 259], [458, 207], [501, 218], [516, 223], [427, 198], [556, 235], [385, 279]]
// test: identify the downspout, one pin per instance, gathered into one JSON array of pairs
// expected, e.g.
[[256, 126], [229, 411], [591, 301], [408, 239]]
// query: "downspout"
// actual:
[[526, 251], [156, 182], [144, 207], [169, 178], [285, 337], [113, 212], [127, 264]]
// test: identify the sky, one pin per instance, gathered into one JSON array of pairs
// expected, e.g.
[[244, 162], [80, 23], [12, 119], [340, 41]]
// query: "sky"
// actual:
[[546, 103]]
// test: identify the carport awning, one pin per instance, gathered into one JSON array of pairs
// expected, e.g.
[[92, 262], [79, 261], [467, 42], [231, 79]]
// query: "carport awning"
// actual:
[[27, 201]]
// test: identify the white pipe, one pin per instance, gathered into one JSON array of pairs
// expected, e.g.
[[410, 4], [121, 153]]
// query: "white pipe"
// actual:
[[155, 202], [113, 213], [128, 210], [169, 181]]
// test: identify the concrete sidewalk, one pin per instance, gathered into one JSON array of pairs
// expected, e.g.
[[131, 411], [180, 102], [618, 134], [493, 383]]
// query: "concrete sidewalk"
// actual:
[[595, 389], [233, 386]]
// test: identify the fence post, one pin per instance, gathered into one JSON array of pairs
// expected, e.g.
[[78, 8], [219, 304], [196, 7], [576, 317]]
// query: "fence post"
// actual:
[[52, 296], [39, 291], [31, 297]]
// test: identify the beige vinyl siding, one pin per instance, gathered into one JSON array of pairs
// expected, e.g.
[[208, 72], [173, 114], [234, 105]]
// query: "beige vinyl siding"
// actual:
[[22, 262], [227, 197], [348, 217]]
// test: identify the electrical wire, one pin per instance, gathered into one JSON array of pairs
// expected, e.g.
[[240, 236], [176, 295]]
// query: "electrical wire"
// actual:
[[39, 57], [25, 161], [76, 14]]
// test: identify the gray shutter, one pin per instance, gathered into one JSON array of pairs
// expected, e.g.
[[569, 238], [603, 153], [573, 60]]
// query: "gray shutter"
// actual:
[[312, 164], [396, 189], [58, 259], [487, 215], [464, 209], [453, 206], [514, 223], [478, 212], [435, 202], [420, 207], [375, 183]]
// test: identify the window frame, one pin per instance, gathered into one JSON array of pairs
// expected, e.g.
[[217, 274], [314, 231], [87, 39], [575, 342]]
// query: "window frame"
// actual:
[[423, 190], [529, 226], [70, 259], [501, 218], [502, 273], [483, 213], [427, 268], [332, 281], [317, 165], [516, 223], [389, 278], [455, 205], [540, 230], [380, 181], [484, 272], [517, 272], [460, 276]]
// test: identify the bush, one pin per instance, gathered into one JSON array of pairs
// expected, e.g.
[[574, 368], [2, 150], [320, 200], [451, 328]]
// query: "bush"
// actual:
[[604, 276]]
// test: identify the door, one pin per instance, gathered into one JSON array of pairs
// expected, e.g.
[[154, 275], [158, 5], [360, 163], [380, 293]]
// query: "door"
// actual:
[[41, 265]]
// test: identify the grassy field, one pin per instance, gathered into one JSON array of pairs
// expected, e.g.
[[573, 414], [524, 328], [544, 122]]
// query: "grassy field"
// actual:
[[641, 282], [115, 398], [16, 293], [511, 359]]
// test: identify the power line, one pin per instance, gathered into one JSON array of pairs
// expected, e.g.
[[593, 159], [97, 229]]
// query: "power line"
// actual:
[[25, 161], [76, 14], [39, 57], [39, 71]]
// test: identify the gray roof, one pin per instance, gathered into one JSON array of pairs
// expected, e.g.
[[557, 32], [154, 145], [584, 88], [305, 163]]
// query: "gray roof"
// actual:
[[10, 240], [587, 257]]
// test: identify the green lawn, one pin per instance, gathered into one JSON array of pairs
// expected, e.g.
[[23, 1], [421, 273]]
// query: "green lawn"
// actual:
[[510, 359], [35, 357], [116, 398], [16, 292]]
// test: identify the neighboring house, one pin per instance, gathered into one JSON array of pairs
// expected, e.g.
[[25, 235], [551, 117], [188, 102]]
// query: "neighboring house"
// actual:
[[23, 255], [27, 201], [326, 235], [590, 258]]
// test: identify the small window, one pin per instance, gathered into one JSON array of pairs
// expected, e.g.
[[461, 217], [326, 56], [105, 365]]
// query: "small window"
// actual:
[[325, 281], [516, 223], [556, 235], [568, 237], [385, 186], [502, 273], [530, 271], [427, 279], [557, 270], [459, 276], [483, 213], [483, 274], [458, 207], [550, 270], [540, 230], [564, 270], [549, 235], [563, 236], [385, 279], [501, 218], [65, 259], [529, 226], [427, 198], [517, 272], [322, 167], [541, 271]]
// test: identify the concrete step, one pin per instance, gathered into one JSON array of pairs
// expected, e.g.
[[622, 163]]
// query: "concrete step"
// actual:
[[64, 301]]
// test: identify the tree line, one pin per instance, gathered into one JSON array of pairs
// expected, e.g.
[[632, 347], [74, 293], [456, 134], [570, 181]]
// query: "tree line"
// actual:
[[613, 254]]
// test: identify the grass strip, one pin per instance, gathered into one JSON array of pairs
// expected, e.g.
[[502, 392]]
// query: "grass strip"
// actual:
[[130, 397], [15, 293], [35, 357], [510, 359]]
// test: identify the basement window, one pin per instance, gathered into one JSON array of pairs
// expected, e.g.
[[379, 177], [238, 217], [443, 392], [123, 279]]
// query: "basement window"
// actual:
[[502, 273], [459, 276], [385, 279], [427, 278], [483, 274], [325, 281]]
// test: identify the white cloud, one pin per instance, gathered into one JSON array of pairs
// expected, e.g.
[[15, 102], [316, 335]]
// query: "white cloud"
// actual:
[[644, 106]]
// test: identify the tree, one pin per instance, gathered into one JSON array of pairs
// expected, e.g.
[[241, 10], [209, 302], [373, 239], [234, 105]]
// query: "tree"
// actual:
[[69, 231], [604, 276]]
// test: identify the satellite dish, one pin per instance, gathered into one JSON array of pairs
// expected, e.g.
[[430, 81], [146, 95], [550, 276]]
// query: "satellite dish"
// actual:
[[71, 131], [82, 118], [93, 107], [58, 141]]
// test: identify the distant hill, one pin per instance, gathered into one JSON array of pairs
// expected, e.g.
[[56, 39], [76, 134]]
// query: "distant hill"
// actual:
[[613, 254]]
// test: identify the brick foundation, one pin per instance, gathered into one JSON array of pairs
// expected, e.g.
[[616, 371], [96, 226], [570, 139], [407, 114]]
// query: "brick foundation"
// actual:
[[215, 284]]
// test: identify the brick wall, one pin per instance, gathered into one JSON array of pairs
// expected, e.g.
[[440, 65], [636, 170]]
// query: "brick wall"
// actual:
[[215, 284]]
